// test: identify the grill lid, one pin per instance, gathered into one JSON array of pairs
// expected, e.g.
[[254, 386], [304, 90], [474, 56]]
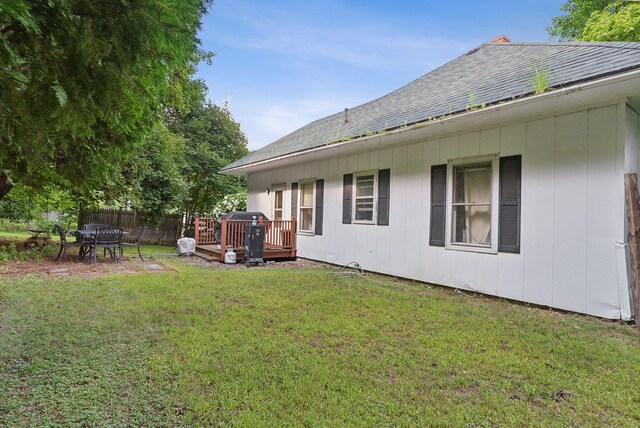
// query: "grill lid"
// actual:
[[248, 216]]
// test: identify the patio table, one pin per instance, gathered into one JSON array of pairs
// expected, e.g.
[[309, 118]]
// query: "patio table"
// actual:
[[85, 235], [88, 232]]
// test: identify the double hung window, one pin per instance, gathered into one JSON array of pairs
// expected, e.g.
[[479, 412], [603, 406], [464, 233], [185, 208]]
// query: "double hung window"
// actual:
[[364, 201], [307, 198], [472, 204], [278, 199]]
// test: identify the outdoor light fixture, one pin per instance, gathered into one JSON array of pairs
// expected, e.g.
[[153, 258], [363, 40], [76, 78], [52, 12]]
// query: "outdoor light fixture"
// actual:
[[268, 191]]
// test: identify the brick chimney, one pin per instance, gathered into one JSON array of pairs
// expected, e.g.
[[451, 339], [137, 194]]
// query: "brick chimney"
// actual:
[[501, 39]]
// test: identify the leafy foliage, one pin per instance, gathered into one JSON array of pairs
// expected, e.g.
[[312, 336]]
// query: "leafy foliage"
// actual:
[[619, 21], [24, 204], [235, 202], [81, 83], [597, 20], [212, 140], [99, 98]]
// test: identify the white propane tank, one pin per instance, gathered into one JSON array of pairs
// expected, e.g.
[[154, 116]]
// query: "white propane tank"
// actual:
[[230, 256]]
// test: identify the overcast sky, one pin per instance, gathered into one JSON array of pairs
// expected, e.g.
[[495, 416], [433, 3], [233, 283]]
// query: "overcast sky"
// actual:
[[283, 64]]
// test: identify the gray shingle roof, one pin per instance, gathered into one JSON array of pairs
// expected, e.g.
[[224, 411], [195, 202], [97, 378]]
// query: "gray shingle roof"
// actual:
[[491, 73]]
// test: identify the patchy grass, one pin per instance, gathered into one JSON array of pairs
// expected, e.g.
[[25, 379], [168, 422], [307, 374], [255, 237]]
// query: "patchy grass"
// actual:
[[198, 346], [15, 235]]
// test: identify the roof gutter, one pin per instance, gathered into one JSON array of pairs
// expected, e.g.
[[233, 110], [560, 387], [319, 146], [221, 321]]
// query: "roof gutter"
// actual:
[[444, 120]]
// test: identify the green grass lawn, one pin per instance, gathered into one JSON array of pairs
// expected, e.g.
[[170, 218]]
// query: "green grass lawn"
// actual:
[[279, 347], [14, 235]]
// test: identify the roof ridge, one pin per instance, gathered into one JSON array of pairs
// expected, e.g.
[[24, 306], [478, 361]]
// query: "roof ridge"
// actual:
[[609, 45]]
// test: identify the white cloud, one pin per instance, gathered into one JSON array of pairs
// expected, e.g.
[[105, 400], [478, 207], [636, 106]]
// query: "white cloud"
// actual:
[[270, 121]]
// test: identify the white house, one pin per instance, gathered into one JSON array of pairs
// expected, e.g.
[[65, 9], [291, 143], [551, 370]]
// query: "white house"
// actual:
[[468, 178]]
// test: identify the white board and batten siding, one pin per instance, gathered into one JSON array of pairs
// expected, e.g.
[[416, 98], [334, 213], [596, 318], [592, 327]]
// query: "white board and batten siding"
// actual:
[[572, 213]]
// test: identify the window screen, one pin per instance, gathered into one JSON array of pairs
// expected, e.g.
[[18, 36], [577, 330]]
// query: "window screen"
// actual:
[[277, 204], [471, 207], [306, 207], [364, 197]]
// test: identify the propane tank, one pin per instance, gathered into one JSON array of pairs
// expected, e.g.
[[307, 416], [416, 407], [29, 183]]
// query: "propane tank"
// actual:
[[230, 256]]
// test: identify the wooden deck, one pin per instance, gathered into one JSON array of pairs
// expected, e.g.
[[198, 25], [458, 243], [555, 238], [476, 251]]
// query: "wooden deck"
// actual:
[[280, 238], [213, 252]]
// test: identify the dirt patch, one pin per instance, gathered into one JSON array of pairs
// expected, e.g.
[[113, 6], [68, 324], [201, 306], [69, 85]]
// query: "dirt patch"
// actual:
[[286, 264], [77, 268]]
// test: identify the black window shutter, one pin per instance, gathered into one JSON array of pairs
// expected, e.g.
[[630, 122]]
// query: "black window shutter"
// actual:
[[319, 205], [294, 200], [384, 190], [438, 205], [347, 188], [509, 215]]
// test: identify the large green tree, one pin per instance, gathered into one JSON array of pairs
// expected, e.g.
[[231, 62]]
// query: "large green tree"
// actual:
[[598, 20], [82, 84], [212, 140]]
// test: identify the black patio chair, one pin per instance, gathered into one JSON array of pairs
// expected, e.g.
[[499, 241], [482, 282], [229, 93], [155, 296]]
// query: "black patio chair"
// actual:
[[108, 238], [134, 240], [64, 244], [88, 240]]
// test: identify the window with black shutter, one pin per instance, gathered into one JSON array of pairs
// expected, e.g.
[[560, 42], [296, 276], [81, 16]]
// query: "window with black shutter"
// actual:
[[475, 204], [366, 197]]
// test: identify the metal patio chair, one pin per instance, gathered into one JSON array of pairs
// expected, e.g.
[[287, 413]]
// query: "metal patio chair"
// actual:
[[64, 244], [135, 240], [108, 238]]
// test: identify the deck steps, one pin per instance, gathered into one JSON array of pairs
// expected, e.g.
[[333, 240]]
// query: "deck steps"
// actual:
[[207, 256]]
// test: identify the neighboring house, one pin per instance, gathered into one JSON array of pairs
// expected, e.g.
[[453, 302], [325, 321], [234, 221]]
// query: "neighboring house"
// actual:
[[467, 178]]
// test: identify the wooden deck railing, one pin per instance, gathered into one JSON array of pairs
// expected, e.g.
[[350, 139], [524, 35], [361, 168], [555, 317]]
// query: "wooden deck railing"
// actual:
[[280, 235]]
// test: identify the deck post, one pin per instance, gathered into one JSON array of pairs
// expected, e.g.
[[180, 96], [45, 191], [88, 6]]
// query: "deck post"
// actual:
[[223, 239], [197, 232], [292, 234]]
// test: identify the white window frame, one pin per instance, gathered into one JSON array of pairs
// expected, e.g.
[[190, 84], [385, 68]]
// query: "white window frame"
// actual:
[[354, 198], [281, 187], [313, 208], [493, 247]]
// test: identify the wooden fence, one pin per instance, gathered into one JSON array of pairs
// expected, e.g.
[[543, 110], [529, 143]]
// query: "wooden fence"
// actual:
[[167, 232]]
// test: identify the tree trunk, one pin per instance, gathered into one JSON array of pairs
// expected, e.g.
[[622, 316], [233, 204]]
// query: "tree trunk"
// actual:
[[5, 185]]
